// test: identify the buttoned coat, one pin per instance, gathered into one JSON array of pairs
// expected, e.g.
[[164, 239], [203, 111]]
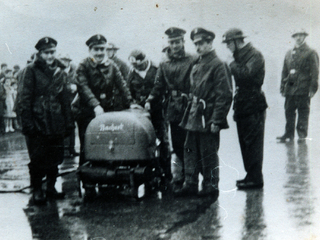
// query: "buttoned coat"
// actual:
[[102, 85], [248, 70], [43, 101], [211, 95], [173, 80], [300, 71]]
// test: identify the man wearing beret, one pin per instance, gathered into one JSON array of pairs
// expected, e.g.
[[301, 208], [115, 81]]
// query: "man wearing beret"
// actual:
[[101, 88], [46, 117], [173, 83], [209, 103], [112, 54], [249, 105], [140, 82], [299, 83]]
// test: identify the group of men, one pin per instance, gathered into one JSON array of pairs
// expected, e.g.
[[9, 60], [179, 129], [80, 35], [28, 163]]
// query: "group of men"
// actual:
[[189, 95]]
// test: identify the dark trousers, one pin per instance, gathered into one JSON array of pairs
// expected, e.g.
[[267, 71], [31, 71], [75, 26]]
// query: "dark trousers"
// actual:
[[82, 126], [178, 136], [201, 155], [161, 130], [69, 142], [292, 104], [45, 156], [251, 137]]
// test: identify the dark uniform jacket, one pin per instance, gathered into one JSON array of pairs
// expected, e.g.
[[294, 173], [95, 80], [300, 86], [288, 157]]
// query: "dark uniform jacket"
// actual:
[[248, 70], [101, 85], [211, 94], [303, 64], [123, 67], [173, 82], [139, 87], [43, 101]]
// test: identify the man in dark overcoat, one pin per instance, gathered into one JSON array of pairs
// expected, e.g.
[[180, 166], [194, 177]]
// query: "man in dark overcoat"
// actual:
[[209, 103], [299, 83], [140, 82], [173, 83], [46, 117], [248, 70]]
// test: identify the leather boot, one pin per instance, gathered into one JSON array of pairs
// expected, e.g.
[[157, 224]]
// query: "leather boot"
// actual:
[[284, 138], [51, 190], [38, 197], [186, 190], [208, 191]]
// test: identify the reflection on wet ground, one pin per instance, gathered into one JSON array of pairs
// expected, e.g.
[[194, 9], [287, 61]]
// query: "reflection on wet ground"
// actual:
[[287, 208]]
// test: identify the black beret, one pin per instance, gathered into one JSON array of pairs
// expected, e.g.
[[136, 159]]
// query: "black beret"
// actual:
[[46, 42], [199, 34], [175, 33], [96, 40]]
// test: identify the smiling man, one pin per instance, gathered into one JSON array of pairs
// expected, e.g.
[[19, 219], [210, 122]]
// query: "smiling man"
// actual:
[[299, 83], [46, 117], [101, 88]]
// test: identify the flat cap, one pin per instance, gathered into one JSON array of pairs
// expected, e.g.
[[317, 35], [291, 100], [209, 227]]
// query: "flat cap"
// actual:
[[136, 56], [174, 33], [232, 34], [299, 31], [199, 34], [96, 40], [112, 46], [46, 42], [16, 67]]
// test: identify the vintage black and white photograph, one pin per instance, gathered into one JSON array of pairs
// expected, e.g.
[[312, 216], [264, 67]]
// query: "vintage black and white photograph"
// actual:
[[159, 120]]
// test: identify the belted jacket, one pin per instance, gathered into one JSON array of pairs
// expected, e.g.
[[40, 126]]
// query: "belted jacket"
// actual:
[[300, 71], [140, 87], [43, 101], [173, 82], [101, 84], [211, 95], [248, 70]]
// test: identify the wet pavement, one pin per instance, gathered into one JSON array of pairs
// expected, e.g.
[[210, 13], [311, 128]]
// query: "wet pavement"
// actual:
[[287, 208]]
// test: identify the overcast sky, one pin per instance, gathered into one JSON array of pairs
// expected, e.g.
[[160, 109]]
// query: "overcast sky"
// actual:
[[141, 24]]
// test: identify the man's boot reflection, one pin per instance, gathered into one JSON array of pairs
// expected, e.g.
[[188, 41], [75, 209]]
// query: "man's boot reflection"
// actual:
[[298, 193], [254, 224], [45, 222]]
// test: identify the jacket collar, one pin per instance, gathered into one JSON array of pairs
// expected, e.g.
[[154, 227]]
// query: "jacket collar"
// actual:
[[301, 47], [207, 57], [94, 64], [241, 53]]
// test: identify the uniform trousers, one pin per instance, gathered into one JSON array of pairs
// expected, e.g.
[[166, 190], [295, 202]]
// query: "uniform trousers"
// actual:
[[178, 136], [251, 138], [201, 156], [302, 105], [45, 153]]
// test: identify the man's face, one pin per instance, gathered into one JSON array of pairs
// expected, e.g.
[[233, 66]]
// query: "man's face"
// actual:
[[98, 52], [203, 47], [231, 46], [141, 66], [176, 45], [3, 69], [111, 53], [299, 38], [48, 55]]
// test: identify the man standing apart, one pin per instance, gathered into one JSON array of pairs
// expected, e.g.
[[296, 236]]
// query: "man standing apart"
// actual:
[[210, 99], [173, 83], [46, 117], [299, 83], [249, 105]]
